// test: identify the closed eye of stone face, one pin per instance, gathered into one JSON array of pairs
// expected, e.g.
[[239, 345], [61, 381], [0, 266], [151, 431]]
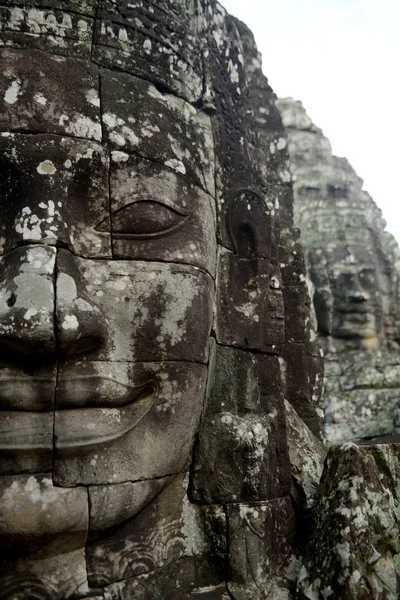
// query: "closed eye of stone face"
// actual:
[[145, 218]]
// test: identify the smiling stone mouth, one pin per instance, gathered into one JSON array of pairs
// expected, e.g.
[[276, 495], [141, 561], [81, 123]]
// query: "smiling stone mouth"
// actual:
[[76, 428], [88, 427]]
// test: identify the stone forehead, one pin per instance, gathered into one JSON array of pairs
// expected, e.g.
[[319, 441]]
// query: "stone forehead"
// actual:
[[166, 43]]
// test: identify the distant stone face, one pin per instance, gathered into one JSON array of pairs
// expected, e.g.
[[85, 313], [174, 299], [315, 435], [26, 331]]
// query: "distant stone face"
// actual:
[[353, 265]]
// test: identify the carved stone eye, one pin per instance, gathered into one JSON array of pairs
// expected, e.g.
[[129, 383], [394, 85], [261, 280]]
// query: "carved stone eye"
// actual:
[[145, 218]]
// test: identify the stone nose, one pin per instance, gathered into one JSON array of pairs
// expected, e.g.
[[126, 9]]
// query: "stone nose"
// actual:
[[45, 310], [27, 301], [80, 324], [357, 296]]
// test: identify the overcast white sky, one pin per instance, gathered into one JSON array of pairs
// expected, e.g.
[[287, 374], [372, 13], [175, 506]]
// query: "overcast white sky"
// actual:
[[341, 58]]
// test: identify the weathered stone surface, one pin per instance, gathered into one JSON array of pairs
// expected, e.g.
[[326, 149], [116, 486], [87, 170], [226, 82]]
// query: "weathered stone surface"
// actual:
[[36, 95], [307, 455], [262, 563], [81, 326], [49, 573], [55, 192], [165, 531], [249, 303], [161, 127], [111, 505], [32, 507], [160, 43], [26, 442], [186, 578], [301, 360], [343, 233], [27, 300], [27, 390], [157, 214], [48, 25], [361, 395], [43, 530], [354, 552], [84, 7], [270, 147], [241, 454], [165, 309]]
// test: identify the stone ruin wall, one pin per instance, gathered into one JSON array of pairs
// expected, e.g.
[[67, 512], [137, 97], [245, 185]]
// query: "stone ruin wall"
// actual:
[[353, 264]]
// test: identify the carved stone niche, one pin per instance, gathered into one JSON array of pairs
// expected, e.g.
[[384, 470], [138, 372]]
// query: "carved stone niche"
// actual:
[[250, 310]]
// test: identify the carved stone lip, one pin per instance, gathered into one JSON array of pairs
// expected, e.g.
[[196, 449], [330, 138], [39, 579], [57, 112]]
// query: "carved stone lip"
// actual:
[[84, 428], [26, 393], [77, 428], [99, 392]]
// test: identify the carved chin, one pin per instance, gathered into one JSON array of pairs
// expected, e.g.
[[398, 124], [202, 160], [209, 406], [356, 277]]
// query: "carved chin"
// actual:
[[33, 509], [351, 325]]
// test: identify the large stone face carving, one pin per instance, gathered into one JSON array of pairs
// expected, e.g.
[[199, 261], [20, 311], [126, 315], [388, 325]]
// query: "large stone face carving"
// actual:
[[353, 264], [147, 298]]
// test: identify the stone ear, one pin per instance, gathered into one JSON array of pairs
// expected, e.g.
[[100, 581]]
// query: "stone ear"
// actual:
[[249, 225]]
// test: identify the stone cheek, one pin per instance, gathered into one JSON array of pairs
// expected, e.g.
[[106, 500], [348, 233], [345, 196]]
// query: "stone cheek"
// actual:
[[145, 439], [164, 309]]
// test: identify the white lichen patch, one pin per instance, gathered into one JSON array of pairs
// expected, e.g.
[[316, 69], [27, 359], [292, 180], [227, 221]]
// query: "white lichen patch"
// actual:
[[31, 312], [92, 97], [249, 310], [191, 528], [70, 323], [39, 98], [147, 46], [81, 126], [66, 288], [46, 167], [285, 176], [111, 413], [176, 164], [118, 156], [12, 93], [282, 143]]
